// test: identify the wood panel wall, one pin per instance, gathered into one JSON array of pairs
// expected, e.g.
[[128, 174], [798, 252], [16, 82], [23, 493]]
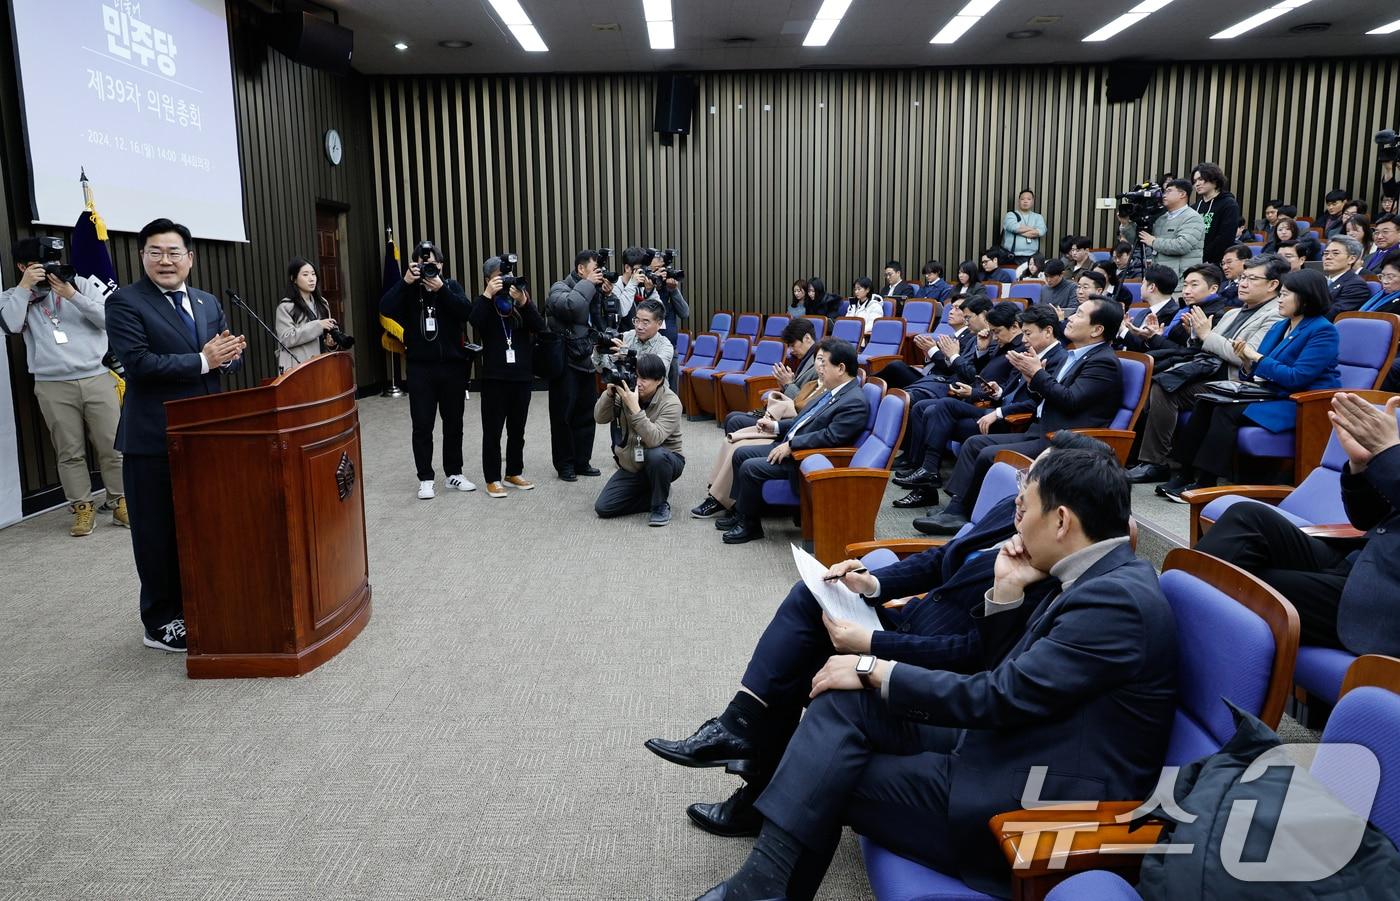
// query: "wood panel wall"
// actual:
[[791, 174], [283, 112]]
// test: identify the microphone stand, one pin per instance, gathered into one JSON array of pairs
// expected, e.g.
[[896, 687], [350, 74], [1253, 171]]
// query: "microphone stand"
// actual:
[[233, 296]]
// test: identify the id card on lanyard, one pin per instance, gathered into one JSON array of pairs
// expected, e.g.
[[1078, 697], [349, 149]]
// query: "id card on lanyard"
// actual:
[[510, 345], [59, 335]]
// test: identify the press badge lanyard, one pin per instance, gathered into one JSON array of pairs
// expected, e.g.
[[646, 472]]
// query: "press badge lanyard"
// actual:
[[430, 322], [59, 335], [510, 346]]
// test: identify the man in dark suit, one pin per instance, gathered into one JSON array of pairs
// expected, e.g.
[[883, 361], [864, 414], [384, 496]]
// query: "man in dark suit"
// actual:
[[832, 419], [1386, 234], [949, 358], [1084, 393], [1158, 285], [174, 343], [919, 759], [935, 423], [1232, 266], [896, 288], [1347, 592], [1349, 290], [935, 593]]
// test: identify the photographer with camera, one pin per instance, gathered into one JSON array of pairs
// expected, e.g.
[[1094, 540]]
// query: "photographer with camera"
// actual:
[[505, 321], [1178, 233], [643, 338], [572, 394], [665, 280], [625, 287], [648, 451], [434, 310], [63, 319], [303, 321]]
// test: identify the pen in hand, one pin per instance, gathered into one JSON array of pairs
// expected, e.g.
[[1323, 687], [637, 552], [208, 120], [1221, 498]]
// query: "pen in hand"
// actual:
[[843, 575]]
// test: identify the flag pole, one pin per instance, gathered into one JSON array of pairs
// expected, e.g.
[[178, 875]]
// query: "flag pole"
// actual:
[[390, 369]]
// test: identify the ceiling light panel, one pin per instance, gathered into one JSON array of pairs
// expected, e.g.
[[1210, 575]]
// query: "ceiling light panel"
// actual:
[[1254, 21], [824, 25], [1386, 29], [513, 16], [661, 31], [967, 17], [1127, 20]]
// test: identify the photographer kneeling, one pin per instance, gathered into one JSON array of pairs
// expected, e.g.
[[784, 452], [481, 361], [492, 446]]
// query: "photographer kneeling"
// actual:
[[649, 451]]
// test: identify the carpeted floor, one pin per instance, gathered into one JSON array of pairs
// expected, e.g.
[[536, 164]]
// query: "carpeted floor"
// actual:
[[481, 739]]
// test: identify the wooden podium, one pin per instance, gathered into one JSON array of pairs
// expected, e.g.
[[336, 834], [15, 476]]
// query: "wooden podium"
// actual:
[[271, 522]]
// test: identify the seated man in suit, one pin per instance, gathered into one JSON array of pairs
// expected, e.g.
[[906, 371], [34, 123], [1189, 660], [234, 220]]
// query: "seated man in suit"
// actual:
[[800, 341], [834, 418], [950, 358], [1232, 267], [934, 628], [1348, 289], [1347, 592], [934, 287], [174, 342], [919, 759], [949, 419], [896, 288], [1201, 288], [1158, 285], [1083, 393], [1386, 235]]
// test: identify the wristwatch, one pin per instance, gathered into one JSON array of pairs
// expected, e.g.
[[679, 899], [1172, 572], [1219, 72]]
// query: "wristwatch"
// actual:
[[865, 665]]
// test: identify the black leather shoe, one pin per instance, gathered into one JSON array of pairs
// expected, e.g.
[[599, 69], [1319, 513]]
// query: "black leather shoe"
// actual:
[[720, 892], [568, 475], [711, 745], [727, 521], [590, 471], [941, 524], [731, 818], [919, 478], [743, 533], [1149, 472], [919, 497]]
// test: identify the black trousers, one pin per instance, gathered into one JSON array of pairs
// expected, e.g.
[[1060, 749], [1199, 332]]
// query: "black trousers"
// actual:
[[571, 425], [977, 455], [899, 374], [936, 423], [150, 503], [504, 405], [852, 763], [437, 389], [638, 492], [736, 421], [1207, 441], [751, 470], [1309, 571]]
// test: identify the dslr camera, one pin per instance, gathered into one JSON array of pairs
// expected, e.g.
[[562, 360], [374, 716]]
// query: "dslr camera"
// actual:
[[427, 254], [1389, 142], [1142, 204], [51, 258], [668, 264], [510, 277], [620, 370], [342, 340]]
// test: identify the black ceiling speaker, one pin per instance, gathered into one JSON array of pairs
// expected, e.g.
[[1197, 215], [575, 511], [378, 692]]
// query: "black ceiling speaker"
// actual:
[[675, 103], [1127, 82], [311, 40]]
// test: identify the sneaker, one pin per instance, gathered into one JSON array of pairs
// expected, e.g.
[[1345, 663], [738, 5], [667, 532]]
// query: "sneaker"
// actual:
[[1176, 484], [660, 515], [460, 483], [425, 490], [169, 637], [84, 518], [706, 508], [1175, 494], [495, 489], [119, 515], [519, 482]]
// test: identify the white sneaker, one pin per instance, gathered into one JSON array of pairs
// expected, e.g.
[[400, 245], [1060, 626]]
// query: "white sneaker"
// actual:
[[425, 490], [460, 483]]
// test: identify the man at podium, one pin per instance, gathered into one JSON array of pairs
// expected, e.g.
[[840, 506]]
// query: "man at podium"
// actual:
[[174, 342]]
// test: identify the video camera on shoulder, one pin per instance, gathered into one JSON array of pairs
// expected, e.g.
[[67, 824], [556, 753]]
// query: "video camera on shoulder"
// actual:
[[508, 273], [1142, 204]]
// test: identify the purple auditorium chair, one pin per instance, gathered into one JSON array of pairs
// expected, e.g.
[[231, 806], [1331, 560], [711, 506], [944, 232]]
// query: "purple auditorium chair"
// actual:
[[843, 307], [1100, 256], [850, 329], [1134, 289], [1136, 369], [732, 388], [1367, 347], [885, 345], [1375, 287], [918, 316], [720, 324], [839, 503], [1367, 714], [818, 324], [888, 307], [1237, 639], [773, 326], [994, 289], [698, 385], [748, 325], [682, 345], [1010, 272], [1028, 290], [779, 492], [701, 352]]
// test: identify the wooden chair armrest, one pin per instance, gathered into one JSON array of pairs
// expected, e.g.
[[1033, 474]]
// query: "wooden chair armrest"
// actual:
[[1317, 395], [1199, 497], [1018, 422], [764, 382], [1333, 530], [846, 472], [840, 456], [1056, 841], [875, 364], [902, 547], [1121, 440]]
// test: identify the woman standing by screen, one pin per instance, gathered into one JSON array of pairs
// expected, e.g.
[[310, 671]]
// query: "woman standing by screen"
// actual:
[[303, 318]]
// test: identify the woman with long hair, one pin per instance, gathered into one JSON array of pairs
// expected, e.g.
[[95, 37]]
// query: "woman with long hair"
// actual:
[[303, 321], [797, 303], [821, 302], [1285, 229], [968, 283]]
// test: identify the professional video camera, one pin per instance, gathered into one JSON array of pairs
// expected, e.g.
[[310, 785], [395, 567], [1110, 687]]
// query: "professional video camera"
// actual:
[[1142, 204], [509, 277], [51, 258], [1389, 141], [621, 369], [428, 267]]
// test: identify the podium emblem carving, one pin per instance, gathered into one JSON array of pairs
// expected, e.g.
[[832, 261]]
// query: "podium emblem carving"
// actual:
[[345, 476]]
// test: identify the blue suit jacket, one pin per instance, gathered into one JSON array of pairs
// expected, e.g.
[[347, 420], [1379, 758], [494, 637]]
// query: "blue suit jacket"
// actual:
[[1088, 690], [1368, 616], [161, 361], [1304, 361], [939, 290], [1349, 292]]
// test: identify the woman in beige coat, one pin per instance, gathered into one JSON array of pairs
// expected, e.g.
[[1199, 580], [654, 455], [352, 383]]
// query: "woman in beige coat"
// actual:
[[304, 319]]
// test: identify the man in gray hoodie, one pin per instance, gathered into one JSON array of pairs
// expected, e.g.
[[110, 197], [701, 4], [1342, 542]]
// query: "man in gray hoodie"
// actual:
[[64, 324]]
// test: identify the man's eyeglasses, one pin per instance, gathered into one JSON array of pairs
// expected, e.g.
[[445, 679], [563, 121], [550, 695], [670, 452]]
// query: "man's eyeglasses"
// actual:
[[1253, 278], [638, 320], [174, 256]]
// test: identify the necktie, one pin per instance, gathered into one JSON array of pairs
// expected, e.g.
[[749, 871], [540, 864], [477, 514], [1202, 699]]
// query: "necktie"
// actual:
[[809, 413], [1064, 367], [178, 299]]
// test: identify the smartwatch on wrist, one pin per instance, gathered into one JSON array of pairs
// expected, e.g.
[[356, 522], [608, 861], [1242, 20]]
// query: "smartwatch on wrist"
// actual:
[[865, 665]]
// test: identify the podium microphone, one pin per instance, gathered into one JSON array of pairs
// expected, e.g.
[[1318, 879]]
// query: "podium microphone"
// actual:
[[233, 296]]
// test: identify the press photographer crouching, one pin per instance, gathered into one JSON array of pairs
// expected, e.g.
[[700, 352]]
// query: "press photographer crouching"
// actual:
[[648, 452], [434, 310], [506, 322]]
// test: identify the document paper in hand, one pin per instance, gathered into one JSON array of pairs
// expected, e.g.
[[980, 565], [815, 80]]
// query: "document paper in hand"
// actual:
[[836, 599]]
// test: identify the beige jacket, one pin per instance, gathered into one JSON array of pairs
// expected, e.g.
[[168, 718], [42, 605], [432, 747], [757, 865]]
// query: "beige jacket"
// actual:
[[1252, 334], [303, 339], [658, 424]]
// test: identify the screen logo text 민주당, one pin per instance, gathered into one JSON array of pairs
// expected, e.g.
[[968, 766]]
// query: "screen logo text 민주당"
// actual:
[[129, 38]]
